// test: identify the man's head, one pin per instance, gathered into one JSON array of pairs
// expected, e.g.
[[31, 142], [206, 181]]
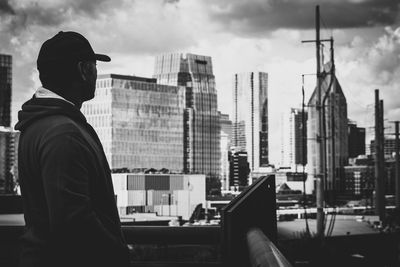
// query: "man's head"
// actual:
[[67, 66]]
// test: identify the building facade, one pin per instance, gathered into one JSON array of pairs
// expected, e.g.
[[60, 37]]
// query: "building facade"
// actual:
[[5, 90], [356, 140], [389, 148], [335, 117], [239, 170], [201, 121], [139, 122], [8, 160], [294, 139], [165, 194], [226, 132], [359, 180], [226, 124], [250, 117]]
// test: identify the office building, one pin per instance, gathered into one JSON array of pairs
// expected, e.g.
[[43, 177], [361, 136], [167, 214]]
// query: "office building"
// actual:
[[294, 139], [226, 124], [359, 180], [250, 117], [335, 117], [224, 173], [139, 122], [201, 128], [226, 132], [356, 140], [165, 194], [8, 160], [389, 147], [5, 90], [239, 170]]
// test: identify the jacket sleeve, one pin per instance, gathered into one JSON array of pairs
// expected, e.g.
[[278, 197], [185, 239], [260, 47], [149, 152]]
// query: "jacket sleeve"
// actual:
[[65, 164]]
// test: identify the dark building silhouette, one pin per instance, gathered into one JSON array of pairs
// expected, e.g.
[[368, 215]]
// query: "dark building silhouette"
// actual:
[[239, 170], [7, 150], [5, 89], [8, 160], [294, 135], [356, 140]]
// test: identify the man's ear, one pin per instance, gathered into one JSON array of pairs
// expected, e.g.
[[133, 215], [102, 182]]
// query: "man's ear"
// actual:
[[82, 70]]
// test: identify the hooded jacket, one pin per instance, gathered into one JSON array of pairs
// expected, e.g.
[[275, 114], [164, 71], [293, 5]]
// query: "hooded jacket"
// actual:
[[69, 204]]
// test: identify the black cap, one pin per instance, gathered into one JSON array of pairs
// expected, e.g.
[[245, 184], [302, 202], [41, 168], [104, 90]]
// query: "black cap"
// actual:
[[68, 46]]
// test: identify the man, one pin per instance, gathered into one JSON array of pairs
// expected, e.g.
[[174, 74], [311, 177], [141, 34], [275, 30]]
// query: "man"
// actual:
[[70, 211]]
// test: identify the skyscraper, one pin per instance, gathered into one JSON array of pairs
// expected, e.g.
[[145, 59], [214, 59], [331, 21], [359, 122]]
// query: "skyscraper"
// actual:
[[8, 159], [6, 133], [356, 140], [226, 124], [139, 122], [250, 117], [5, 89], [226, 132], [238, 170], [335, 111], [294, 135], [202, 128]]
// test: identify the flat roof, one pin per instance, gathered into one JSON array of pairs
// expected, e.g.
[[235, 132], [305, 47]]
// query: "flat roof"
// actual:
[[127, 77]]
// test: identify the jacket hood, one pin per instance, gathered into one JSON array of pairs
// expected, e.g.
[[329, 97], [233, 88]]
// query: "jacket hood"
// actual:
[[38, 108]]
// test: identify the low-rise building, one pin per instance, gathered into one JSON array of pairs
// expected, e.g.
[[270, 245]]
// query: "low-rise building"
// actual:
[[165, 194]]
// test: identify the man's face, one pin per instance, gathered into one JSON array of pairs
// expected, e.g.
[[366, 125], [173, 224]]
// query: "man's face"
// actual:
[[90, 82]]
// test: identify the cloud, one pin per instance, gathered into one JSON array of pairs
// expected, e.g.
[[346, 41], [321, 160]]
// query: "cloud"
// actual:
[[23, 14], [129, 31], [5, 7], [255, 17], [171, 1], [365, 66]]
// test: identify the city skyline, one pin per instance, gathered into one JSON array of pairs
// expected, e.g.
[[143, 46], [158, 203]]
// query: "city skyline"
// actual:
[[240, 37]]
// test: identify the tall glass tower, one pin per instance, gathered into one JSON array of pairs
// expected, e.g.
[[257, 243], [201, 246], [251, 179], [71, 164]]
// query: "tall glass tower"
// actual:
[[250, 117], [201, 120]]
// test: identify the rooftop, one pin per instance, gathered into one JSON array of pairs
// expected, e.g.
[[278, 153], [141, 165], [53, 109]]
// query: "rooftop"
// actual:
[[126, 77]]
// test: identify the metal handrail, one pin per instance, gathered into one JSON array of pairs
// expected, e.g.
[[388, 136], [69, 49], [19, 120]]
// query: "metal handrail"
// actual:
[[262, 252]]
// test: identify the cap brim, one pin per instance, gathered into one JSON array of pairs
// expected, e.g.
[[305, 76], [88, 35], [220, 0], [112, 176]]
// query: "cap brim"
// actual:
[[101, 57]]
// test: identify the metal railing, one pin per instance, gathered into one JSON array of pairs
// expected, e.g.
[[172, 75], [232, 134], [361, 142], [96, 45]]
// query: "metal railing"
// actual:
[[262, 252], [254, 207]]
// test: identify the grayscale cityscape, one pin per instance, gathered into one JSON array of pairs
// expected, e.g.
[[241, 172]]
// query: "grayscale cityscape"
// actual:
[[237, 133]]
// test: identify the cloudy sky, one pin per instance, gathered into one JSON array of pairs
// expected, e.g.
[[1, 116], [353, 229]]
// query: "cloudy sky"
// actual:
[[240, 36]]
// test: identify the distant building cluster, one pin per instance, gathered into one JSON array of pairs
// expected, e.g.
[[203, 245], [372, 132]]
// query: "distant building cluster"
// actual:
[[171, 123]]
